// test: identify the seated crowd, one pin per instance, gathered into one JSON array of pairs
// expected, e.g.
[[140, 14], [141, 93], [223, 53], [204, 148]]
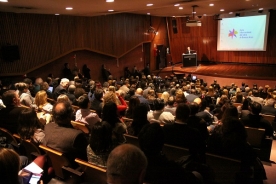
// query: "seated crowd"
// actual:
[[182, 112]]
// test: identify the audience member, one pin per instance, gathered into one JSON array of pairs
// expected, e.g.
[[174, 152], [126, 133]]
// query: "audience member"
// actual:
[[61, 88], [139, 119], [133, 102], [29, 126], [25, 98], [180, 134], [126, 164], [61, 136], [158, 114], [160, 170], [100, 144], [170, 107], [84, 114], [255, 120], [97, 103], [109, 114], [9, 115]]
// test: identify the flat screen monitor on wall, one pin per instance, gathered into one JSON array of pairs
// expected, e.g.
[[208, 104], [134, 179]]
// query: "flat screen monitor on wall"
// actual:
[[245, 33]]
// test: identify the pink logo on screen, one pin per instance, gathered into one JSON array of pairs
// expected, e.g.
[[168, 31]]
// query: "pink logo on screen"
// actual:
[[233, 33]]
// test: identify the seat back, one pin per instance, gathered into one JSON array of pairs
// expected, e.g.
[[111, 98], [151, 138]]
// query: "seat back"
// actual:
[[9, 138], [58, 161], [92, 173], [255, 136], [268, 117], [80, 126], [237, 104], [31, 149]]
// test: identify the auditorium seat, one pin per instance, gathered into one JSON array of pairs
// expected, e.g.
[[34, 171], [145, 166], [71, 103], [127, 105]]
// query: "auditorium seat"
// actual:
[[261, 144], [9, 138], [91, 173], [81, 126], [269, 118], [61, 166], [29, 148]]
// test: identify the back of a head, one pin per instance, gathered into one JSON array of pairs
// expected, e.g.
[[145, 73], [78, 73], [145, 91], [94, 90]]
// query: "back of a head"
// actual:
[[171, 101], [98, 94], [126, 164], [194, 107], [151, 139], [8, 98], [139, 91], [9, 166], [21, 86], [140, 112], [256, 108], [109, 113], [62, 113], [83, 101], [158, 104], [71, 89], [182, 112]]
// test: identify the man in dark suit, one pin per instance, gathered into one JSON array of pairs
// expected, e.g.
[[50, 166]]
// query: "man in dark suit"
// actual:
[[10, 114], [181, 134], [62, 137], [255, 120]]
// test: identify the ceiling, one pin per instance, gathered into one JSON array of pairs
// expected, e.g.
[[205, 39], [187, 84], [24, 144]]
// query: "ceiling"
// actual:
[[163, 8]]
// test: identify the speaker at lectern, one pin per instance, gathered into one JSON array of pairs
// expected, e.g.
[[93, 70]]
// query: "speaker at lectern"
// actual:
[[189, 59]]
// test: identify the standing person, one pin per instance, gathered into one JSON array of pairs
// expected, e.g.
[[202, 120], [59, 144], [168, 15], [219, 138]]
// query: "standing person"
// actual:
[[188, 51], [67, 72], [105, 73], [86, 72]]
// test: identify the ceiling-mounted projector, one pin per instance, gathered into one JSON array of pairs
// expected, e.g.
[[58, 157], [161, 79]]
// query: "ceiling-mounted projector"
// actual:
[[193, 23]]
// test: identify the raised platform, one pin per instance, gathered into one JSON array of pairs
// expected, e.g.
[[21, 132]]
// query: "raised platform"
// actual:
[[250, 73]]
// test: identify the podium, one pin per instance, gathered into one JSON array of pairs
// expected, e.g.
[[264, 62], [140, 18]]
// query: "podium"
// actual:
[[189, 60]]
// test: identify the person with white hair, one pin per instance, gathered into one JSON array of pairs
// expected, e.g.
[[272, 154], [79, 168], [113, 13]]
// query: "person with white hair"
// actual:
[[61, 88]]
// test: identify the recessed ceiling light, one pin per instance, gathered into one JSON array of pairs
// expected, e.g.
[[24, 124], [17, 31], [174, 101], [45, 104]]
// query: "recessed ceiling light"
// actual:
[[204, 14], [230, 12], [193, 12], [150, 4], [221, 9], [109, 1], [261, 9], [180, 8], [148, 13], [110, 10], [4, 1], [69, 8], [177, 5], [211, 4], [56, 14]]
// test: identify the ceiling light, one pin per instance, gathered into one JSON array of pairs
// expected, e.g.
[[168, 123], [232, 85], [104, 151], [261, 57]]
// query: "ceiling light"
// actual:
[[230, 12], [56, 14], [109, 1], [69, 8], [150, 4], [180, 8], [110, 10], [261, 9], [148, 13], [221, 9], [4, 1], [177, 5], [211, 4]]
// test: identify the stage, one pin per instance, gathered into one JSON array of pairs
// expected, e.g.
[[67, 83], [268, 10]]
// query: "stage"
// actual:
[[225, 73]]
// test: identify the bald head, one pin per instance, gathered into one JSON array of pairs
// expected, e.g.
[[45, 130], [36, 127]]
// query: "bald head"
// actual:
[[139, 91], [126, 164], [62, 113]]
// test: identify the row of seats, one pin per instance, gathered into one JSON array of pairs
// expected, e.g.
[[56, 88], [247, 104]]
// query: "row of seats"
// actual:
[[86, 172]]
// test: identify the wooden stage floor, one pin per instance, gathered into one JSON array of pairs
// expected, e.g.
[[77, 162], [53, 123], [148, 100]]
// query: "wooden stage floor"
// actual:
[[250, 73]]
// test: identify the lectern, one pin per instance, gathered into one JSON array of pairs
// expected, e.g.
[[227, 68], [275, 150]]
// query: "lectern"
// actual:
[[189, 59]]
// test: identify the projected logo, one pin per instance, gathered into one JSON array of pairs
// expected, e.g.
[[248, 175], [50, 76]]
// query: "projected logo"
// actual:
[[233, 33]]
